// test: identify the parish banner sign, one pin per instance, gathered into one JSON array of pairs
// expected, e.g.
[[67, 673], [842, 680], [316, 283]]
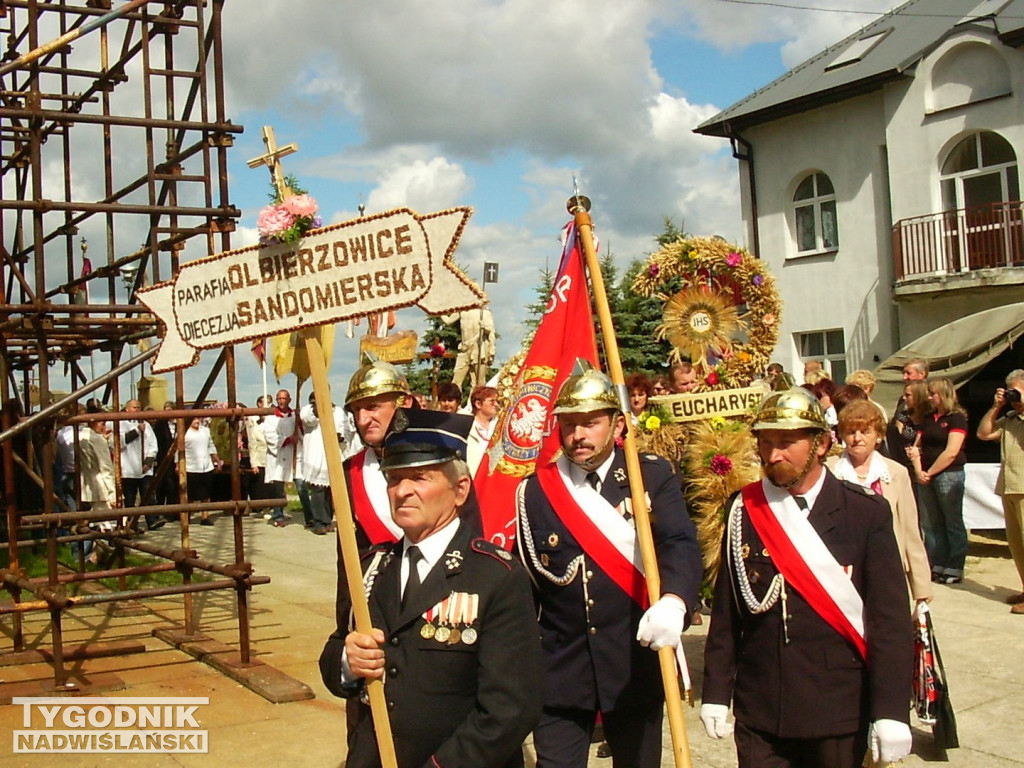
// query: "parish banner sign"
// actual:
[[705, 405], [373, 264]]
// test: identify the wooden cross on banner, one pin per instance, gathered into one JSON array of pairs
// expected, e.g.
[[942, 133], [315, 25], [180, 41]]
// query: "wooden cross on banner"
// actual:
[[272, 159]]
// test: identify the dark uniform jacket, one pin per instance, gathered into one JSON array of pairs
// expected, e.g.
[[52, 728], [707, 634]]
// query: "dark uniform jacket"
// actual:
[[816, 684], [456, 705], [592, 659]]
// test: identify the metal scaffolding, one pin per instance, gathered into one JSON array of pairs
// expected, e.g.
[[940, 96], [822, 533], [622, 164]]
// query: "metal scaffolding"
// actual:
[[113, 170]]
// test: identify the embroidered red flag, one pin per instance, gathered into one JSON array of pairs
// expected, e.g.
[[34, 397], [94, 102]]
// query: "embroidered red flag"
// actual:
[[525, 433]]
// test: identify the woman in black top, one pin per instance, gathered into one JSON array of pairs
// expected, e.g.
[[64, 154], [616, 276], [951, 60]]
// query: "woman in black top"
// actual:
[[939, 468]]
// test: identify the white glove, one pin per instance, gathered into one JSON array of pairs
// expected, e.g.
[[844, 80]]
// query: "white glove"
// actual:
[[714, 717], [662, 623], [890, 740]]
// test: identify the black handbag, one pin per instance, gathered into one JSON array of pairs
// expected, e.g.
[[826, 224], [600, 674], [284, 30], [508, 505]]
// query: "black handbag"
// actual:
[[937, 708]]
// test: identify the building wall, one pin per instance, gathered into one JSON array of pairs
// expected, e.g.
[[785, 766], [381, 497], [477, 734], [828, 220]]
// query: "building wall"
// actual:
[[840, 289], [923, 124], [883, 152]]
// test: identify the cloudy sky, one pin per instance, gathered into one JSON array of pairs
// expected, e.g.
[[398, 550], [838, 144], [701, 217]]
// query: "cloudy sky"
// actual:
[[497, 104]]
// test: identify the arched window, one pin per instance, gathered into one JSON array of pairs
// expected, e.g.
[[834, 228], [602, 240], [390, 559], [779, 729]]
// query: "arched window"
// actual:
[[980, 170], [980, 187], [814, 215]]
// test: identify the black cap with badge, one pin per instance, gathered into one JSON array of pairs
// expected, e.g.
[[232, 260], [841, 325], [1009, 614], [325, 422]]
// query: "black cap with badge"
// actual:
[[419, 438]]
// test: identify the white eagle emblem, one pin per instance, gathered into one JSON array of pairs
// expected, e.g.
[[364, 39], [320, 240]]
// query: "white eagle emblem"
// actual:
[[528, 419]]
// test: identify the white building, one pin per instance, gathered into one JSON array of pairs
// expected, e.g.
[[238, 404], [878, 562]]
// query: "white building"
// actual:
[[880, 180]]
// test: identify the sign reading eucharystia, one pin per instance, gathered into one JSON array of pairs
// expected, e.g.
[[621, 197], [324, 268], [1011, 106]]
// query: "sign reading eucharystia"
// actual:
[[372, 264]]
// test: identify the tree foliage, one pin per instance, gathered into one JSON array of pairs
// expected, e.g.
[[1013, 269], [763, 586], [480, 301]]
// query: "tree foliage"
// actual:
[[636, 319], [428, 370], [535, 309]]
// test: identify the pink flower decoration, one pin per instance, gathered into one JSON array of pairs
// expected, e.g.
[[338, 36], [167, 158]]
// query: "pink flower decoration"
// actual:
[[734, 259], [757, 280], [711, 379], [721, 465], [769, 319], [274, 220], [301, 206], [653, 270]]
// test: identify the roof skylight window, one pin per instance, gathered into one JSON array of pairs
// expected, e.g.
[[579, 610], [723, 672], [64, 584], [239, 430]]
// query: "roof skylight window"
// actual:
[[857, 50]]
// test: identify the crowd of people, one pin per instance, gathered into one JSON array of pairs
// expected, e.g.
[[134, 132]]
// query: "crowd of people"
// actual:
[[835, 519], [858, 516], [273, 450]]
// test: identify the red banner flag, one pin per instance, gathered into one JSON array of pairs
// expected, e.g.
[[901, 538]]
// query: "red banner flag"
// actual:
[[526, 432], [259, 350], [80, 293]]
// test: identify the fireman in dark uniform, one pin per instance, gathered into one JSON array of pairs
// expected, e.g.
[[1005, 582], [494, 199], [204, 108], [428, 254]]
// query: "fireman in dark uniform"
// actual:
[[810, 640], [596, 636], [454, 634]]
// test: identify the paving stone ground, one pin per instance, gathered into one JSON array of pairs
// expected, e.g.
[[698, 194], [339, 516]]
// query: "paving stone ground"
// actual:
[[980, 640]]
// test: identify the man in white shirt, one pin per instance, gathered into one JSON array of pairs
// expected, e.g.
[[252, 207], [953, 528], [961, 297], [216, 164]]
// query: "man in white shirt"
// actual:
[[279, 430], [138, 455], [314, 462]]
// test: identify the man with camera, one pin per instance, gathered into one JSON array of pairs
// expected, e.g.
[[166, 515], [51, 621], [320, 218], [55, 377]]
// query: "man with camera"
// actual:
[[1009, 431]]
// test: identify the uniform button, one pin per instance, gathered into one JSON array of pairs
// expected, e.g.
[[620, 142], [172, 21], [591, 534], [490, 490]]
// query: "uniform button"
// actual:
[[393, 671], [394, 641], [590, 574], [391, 705], [593, 630], [590, 603]]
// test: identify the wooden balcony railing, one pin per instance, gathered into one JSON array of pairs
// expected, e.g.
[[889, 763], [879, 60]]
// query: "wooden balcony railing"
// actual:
[[955, 242]]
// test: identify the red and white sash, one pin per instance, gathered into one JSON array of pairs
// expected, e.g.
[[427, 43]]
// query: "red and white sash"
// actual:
[[804, 561], [604, 534], [370, 503]]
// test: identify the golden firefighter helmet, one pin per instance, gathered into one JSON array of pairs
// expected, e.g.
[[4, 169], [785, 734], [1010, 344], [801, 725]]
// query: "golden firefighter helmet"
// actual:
[[791, 409], [374, 378], [587, 390]]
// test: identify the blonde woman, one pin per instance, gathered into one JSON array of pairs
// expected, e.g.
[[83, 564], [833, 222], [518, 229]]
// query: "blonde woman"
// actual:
[[861, 428], [866, 380], [939, 459]]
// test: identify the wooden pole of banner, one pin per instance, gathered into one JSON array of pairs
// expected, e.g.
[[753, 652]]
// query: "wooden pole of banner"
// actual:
[[579, 207], [335, 473], [347, 535]]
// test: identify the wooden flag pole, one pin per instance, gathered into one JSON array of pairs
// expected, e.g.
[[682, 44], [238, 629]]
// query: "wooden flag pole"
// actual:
[[347, 535], [579, 207]]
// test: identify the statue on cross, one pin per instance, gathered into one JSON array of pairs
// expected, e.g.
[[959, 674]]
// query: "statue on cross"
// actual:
[[272, 159]]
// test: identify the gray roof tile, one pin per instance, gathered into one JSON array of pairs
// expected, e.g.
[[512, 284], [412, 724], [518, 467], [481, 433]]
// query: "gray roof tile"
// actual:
[[911, 31]]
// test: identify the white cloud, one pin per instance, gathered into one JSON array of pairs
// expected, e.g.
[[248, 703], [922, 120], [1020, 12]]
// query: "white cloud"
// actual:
[[421, 185], [415, 103], [418, 102]]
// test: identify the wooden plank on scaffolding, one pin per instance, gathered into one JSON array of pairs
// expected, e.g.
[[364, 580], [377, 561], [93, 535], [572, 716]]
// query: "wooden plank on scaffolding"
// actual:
[[259, 677]]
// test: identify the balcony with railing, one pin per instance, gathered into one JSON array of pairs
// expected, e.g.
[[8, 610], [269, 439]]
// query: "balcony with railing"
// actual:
[[962, 243]]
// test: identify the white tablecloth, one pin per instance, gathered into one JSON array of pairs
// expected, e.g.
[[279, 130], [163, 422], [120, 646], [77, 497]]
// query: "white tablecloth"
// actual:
[[982, 508]]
